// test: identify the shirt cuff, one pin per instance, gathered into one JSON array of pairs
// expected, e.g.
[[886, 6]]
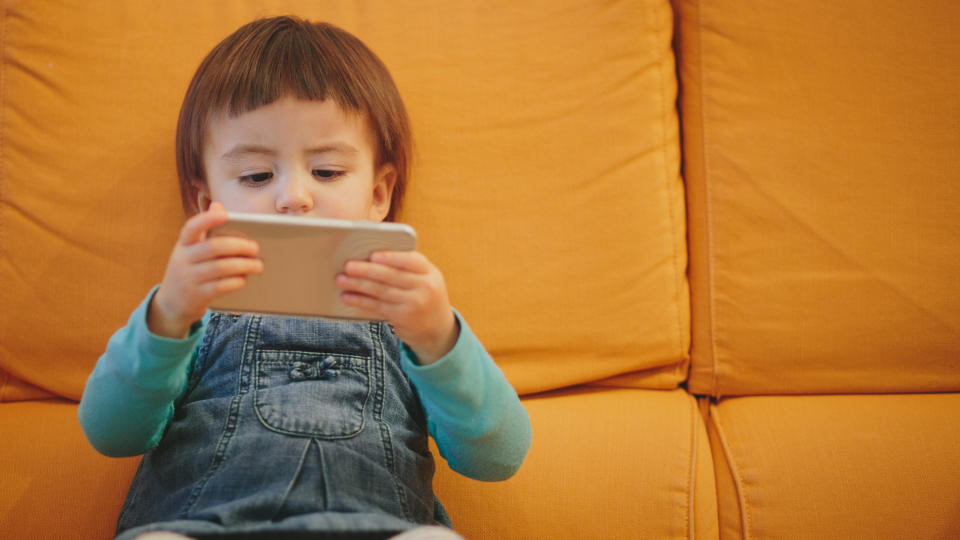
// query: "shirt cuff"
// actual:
[[464, 347], [155, 346]]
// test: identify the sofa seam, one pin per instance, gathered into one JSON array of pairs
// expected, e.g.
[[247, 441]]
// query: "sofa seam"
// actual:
[[4, 375], [708, 206], [692, 478], [4, 15], [734, 473], [692, 453]]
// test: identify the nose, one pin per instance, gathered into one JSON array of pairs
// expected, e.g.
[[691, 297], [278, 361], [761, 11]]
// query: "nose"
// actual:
[[294, 197]]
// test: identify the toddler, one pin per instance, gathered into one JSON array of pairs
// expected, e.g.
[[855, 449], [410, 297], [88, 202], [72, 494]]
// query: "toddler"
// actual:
[[271, 427]]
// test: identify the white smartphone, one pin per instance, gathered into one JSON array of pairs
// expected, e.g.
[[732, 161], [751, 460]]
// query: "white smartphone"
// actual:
[[301, 258]]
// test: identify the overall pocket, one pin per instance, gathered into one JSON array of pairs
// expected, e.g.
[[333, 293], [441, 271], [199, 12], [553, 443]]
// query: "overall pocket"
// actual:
[[311, 394]]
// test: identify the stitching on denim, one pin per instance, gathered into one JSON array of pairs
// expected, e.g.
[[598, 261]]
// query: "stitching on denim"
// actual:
[[131, 497], [321, 459], [295, 477], [200, 363], [296, 352], [230, 428], [213, 326], [385, 435]]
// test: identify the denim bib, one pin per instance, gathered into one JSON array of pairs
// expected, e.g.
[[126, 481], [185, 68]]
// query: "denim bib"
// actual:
[[289, 424]]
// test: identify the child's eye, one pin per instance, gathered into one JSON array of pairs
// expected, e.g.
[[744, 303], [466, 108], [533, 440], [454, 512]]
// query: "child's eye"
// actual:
[[326, 174], [256, 179]]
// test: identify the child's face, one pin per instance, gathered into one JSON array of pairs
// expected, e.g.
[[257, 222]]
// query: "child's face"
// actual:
[[294, 157]]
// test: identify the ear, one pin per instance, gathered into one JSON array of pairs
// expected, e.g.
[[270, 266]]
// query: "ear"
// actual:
[[203, 196], [383, 182]]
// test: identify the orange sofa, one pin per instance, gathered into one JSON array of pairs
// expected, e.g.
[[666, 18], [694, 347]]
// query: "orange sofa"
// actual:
[[714, 245]]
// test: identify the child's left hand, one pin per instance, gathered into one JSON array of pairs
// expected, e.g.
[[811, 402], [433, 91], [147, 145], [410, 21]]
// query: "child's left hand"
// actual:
[[405, 288]]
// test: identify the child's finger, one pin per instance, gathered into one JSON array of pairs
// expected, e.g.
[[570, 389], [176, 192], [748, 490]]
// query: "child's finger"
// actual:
[[378, 272], [195, 229], [368, 306], [411, 261], [229, 266], [373, 289], [222, 246], [220, 287]]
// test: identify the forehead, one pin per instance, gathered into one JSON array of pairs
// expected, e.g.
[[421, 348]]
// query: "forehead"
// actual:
[[290, 123]]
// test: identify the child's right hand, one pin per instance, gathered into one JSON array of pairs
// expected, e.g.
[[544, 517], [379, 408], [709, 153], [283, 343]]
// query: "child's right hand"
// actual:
[[200, 269]]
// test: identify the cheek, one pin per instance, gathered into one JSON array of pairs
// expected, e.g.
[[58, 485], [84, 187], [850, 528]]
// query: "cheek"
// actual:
[[340, 209], [353, 203], [235, 199]]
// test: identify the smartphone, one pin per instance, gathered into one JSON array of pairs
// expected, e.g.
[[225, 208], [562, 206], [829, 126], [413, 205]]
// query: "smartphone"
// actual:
[[301, 258]]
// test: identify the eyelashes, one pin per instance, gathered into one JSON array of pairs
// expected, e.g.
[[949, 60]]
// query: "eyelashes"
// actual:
[[328, 174], [261, 179], [256, 178]]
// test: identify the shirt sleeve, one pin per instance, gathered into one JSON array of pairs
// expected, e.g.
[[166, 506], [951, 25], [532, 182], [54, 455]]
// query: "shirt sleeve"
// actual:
[[130, 395], [473, 414]]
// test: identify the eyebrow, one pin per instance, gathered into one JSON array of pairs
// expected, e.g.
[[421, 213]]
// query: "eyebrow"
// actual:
[[241, 150]]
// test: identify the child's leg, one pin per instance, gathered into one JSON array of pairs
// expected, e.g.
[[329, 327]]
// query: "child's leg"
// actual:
[[428, 533]]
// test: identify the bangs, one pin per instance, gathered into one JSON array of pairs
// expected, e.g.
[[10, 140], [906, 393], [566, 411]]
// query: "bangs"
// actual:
[[286, 59]]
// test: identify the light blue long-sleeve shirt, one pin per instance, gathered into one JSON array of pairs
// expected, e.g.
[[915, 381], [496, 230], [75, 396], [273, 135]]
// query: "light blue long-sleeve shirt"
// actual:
[[473, 414]]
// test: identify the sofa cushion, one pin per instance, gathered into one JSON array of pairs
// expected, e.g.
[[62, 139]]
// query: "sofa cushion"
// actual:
[[864, 466], [639, 460], [546, 186], [820, 147], [617, 464], [54, 484]]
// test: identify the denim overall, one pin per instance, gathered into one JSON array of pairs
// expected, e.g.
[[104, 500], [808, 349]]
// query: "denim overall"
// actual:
[[289, 424]]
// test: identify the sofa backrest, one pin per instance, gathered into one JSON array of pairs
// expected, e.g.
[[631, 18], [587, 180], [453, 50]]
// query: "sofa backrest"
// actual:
[[546, 185], [821, 150]]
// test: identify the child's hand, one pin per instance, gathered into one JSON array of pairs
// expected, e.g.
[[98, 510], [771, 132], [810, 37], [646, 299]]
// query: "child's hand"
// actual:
[[200, 269], [409, 291]]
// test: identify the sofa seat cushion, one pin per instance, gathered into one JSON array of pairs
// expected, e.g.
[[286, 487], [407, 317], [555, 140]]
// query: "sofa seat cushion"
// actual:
[[605, 463], [842, 466], [609, 463], [54, 484]]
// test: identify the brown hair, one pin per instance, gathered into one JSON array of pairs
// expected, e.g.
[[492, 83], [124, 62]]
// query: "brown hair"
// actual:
[[269, 59]]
